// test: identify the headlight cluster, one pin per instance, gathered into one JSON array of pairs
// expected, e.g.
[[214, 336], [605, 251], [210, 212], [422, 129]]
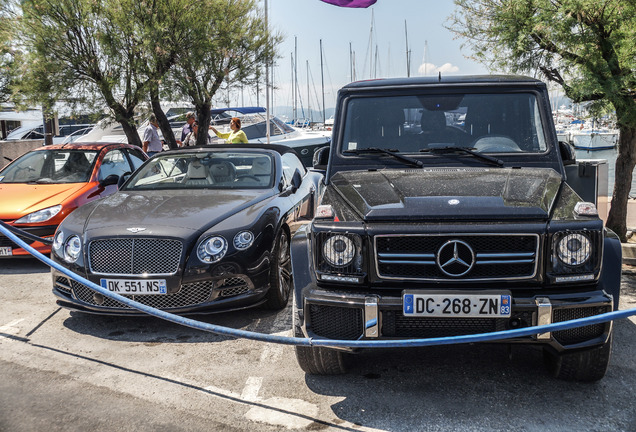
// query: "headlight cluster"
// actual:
[[339, 257], [339, 250], [574, 249], [214, 248], [575, 255], [69, 249], [40, 215]]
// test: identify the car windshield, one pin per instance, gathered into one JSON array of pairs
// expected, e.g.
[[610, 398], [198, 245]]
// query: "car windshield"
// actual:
[[50, 166], [213, 169], [483, 122]]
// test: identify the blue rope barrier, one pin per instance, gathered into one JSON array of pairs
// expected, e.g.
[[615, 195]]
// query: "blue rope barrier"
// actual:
[[286, 340]]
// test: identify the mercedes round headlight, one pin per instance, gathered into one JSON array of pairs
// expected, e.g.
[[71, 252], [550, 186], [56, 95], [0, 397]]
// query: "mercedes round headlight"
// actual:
[[40, 215], [339, 250], [72, 249], [574, 249], [58, 240], [212, 249], [243, 240]]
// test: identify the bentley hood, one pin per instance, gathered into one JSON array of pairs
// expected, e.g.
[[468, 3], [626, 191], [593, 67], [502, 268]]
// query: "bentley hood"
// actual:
[[449, 194], [168, 214]]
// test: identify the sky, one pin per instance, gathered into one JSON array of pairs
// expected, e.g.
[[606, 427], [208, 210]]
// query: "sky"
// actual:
[[304, 23]]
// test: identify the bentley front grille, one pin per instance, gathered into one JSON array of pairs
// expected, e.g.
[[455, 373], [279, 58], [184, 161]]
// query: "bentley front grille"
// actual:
[[190, 295], [134, 256], [442, 257]]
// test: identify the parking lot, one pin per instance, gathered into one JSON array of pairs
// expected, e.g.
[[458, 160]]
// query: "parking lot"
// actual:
[[71, 371]]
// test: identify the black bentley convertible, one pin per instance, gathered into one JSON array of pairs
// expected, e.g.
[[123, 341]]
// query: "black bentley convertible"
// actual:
[[194, 230]]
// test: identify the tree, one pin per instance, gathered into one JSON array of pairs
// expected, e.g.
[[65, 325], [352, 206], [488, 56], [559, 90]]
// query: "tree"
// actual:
[[114, 48], [585, 46], [232, 45]]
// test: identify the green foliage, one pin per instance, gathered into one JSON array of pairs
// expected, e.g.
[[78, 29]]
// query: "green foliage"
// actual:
[[585, 46]]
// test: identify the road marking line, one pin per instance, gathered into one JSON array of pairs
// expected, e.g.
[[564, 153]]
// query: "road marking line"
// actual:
[[251, 389], [11, 327]]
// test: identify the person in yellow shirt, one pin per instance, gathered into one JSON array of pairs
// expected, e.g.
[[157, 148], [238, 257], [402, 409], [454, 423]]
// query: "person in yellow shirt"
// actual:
[[236, 136]]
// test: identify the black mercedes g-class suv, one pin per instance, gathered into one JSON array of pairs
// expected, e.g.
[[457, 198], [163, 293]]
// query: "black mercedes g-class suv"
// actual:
[[446, 211]]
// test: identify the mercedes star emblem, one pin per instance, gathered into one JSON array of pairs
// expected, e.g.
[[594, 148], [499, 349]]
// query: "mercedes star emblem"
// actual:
[[455, 258]]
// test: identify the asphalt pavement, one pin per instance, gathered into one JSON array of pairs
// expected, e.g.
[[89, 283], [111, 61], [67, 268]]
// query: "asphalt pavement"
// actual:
[[67, 371]]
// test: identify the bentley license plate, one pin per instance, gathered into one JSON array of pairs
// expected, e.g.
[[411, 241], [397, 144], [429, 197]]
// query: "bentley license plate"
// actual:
[[6, 251], [135, 286], [457, 305]]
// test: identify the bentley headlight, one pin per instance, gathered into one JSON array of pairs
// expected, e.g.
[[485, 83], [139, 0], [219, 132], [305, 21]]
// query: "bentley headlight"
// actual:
[[40, 215], [212, 249], [72, 249], [243, 240], [58, 240], [574, 249], [339, 250]]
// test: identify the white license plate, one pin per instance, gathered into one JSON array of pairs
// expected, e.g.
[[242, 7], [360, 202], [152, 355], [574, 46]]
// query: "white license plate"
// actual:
[[135, 286], [454, 305], [6, 251]]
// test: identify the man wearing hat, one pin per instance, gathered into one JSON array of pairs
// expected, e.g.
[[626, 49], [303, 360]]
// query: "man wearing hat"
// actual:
[[187, 128]]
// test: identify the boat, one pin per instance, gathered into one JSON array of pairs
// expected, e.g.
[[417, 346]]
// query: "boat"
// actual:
[[254, 123], [594, 139]]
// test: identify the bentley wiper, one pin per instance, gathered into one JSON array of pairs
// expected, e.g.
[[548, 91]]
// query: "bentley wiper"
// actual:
[[405, 159], [470, 151]]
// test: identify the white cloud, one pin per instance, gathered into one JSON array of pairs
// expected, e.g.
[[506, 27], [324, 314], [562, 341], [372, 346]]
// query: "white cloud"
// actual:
[[431, 69]]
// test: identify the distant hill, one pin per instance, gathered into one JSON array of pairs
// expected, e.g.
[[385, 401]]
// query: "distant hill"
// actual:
[[286, 113]]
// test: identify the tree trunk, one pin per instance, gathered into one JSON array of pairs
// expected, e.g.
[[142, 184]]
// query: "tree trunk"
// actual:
[[164, 124], [203, 118], [625, 162]]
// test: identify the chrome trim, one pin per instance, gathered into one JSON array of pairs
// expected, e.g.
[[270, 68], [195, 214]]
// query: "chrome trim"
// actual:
[[371, 325], [519, 256], [544, 316]]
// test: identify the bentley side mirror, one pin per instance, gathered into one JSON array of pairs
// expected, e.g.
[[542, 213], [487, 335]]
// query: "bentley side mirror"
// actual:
[[568, 155], [296, 180], [321, 158]]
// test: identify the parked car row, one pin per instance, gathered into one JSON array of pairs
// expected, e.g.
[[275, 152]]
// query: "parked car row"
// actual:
[[440, 209]]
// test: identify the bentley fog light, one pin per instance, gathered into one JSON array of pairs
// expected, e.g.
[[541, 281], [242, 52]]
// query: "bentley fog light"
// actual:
[[40, 215], [243, 240], [574, 249], [339, 250], [72, 249], [58, 240], [212, 249]]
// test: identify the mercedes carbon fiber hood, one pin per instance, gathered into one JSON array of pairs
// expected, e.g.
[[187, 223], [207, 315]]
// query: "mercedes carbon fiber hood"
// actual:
[[448, 194]]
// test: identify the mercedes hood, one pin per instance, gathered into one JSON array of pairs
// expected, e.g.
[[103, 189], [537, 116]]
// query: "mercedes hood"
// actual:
[[449, 194]]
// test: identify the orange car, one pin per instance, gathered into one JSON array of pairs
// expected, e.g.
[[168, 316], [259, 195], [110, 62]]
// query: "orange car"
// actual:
[[40, 188]]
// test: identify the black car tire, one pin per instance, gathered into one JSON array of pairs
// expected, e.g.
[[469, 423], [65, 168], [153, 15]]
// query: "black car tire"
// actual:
[[316, 360], [585, 366], [280, 274]]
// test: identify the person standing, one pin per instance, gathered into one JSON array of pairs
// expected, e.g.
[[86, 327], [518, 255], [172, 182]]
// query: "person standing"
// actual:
[[151, 142], [187, 128], [236, 136], [191, 138]]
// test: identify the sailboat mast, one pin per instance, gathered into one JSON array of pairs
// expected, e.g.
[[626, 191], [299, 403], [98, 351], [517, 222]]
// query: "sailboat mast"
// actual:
[[322, 85], [267, 86], [308, 95], [408, 59], [295, 80]]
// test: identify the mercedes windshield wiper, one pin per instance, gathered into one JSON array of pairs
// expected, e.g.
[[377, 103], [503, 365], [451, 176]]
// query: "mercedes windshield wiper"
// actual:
[[470, 151], [405, 159]]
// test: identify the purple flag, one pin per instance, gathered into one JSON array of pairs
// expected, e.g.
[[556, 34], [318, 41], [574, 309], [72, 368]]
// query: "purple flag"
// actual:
[[351, 3]]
